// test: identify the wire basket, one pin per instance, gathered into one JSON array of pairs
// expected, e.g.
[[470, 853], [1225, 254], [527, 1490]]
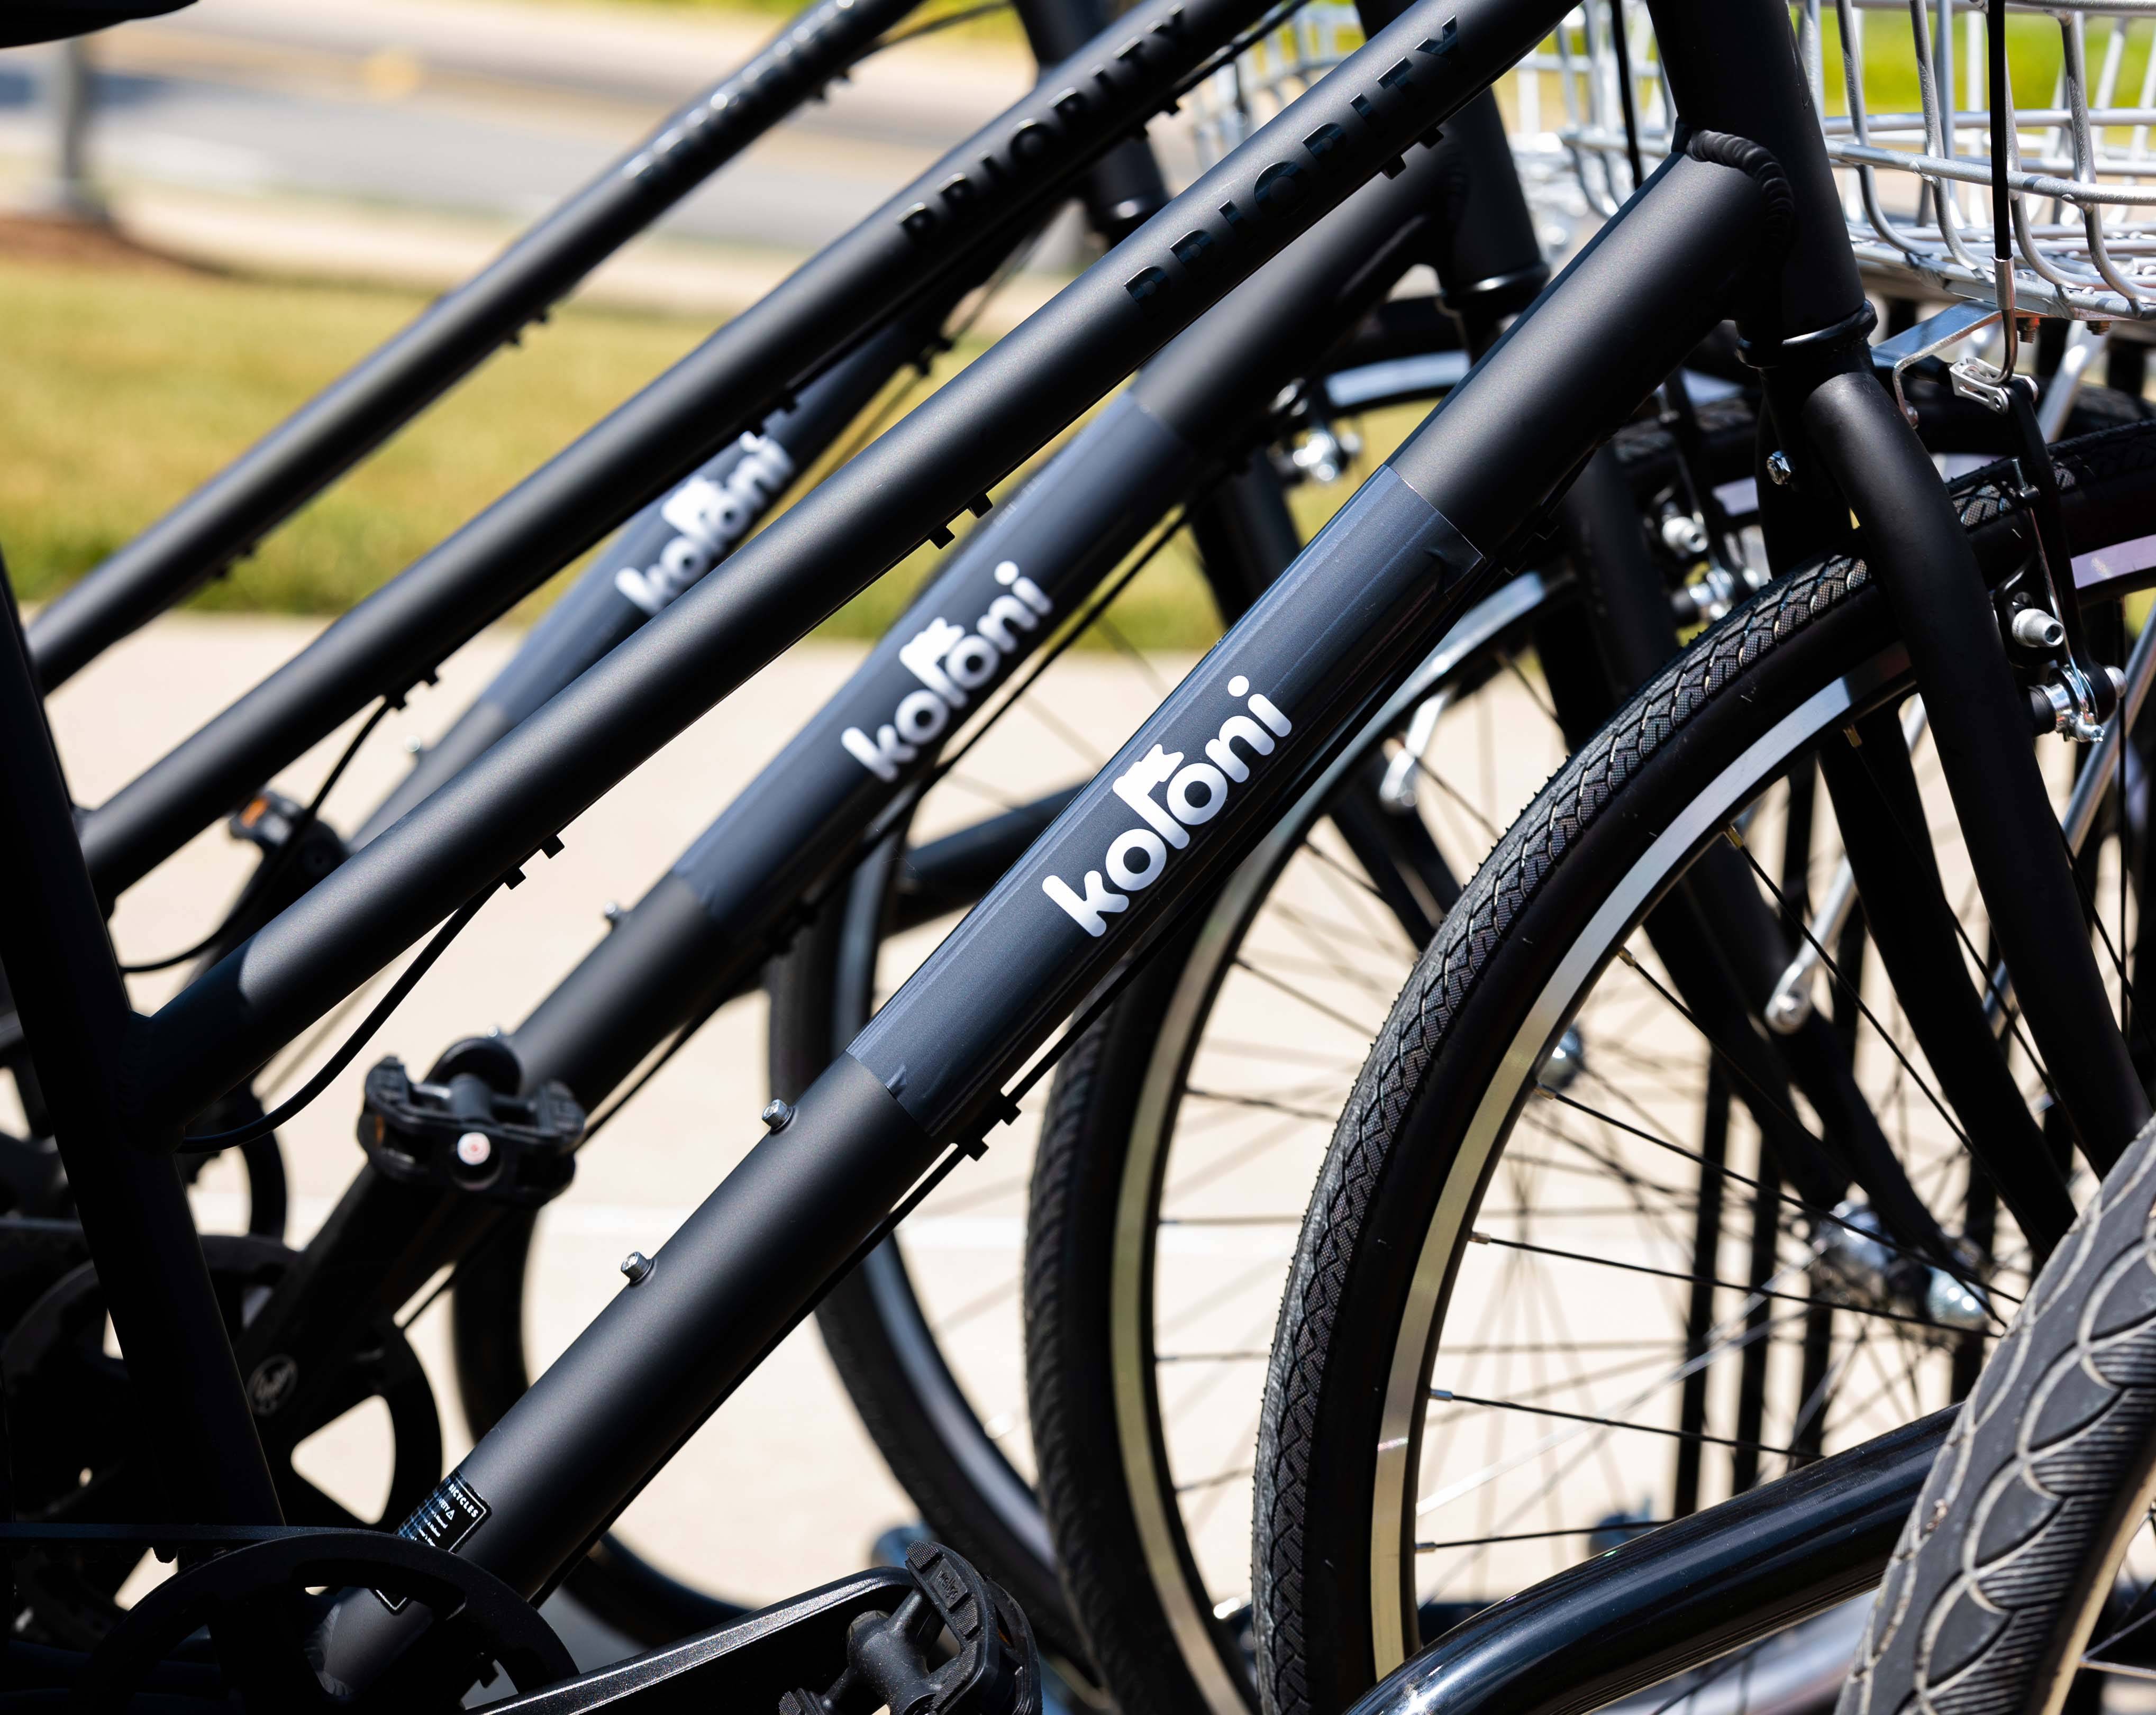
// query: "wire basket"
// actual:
[[1270, 73], [1917, 182], [1242, 97]]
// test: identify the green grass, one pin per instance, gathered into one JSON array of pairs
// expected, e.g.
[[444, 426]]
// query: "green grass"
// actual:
[[127, 387], [2034, 52]]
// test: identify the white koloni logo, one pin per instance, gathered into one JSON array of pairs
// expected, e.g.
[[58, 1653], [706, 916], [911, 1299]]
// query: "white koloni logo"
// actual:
[[949, 661], [1197, 792], [711, 518]]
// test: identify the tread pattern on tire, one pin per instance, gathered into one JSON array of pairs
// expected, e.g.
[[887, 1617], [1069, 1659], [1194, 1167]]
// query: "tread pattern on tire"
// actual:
[[1446, 977], [2013, 1522], [1062, 1459]]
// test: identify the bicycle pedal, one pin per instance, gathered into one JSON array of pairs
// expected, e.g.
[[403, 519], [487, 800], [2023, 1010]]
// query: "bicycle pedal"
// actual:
[[464, 1135], [995, 1669]]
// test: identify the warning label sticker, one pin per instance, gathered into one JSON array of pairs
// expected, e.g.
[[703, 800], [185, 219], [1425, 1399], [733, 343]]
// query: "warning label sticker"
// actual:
[[442, 1521]]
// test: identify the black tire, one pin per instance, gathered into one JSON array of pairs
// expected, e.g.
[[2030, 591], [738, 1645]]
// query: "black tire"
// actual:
[[882, 1344], [1349, 1384], [2010, 1556], [1143, 1137]]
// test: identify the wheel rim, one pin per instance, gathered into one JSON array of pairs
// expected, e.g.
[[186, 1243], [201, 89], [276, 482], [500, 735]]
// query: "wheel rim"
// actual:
[[1205, 1641], [1404, 1503]]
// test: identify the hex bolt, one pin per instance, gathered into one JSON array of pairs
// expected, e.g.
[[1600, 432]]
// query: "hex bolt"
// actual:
[[1777, 470], [475, 1149], [1683, 534], [777, 1114], [2035, 630], [637, 1267]]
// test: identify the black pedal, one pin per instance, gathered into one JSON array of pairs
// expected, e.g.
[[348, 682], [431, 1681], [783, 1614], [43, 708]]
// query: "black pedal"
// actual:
[[996, 1670], [466, 1136]]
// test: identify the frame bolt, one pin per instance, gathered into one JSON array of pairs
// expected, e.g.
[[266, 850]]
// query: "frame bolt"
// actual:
[[1777, 470], [475, 1149], [2035, 630], [777, 1114], [637, 1268]]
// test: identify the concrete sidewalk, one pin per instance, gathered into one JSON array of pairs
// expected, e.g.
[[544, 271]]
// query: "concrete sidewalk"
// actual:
[[781, 1490]]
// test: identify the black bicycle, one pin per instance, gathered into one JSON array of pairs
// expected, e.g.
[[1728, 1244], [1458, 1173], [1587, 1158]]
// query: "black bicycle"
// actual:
[[1314, 657]]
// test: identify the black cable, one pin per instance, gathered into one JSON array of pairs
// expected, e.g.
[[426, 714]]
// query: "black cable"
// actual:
[[273, 864], [1624, 92], [964, 16], [372, 1022]]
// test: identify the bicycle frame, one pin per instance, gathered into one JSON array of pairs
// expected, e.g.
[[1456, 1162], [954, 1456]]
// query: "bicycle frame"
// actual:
[[1274, 701], [705, 931]]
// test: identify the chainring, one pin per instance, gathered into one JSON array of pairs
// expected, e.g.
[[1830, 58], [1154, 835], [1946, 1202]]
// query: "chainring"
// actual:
[[76, 1459]]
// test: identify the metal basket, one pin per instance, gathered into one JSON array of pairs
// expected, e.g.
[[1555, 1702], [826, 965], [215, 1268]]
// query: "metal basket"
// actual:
[[1918, 184], [1270, 73], [1239, 97]]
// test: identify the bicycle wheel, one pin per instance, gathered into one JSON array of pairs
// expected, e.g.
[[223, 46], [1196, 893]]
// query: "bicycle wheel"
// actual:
[[953, 1424], [1183, 1133], [2026, 1576], [1551, 1289], [1136, 1212]]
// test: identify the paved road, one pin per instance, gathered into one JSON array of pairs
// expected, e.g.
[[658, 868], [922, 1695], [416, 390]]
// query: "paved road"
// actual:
[[491, 110]]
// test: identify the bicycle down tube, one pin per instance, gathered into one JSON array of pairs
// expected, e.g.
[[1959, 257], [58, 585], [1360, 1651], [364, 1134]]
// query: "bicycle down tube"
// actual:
[[1270, 703]]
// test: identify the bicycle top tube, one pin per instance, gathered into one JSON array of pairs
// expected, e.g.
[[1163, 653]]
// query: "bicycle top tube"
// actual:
[[952, 223], [222, 521]]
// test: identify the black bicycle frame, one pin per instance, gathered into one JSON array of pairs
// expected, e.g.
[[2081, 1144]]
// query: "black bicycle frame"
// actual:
[[704, 931], [1744, 214], [222, 521], [669, 546], [950, 226]]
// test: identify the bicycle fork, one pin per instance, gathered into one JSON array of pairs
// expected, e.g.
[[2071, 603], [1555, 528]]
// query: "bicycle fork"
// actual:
[[1850, 451]]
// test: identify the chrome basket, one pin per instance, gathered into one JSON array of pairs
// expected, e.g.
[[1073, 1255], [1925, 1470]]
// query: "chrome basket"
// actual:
[[1916, 183]]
